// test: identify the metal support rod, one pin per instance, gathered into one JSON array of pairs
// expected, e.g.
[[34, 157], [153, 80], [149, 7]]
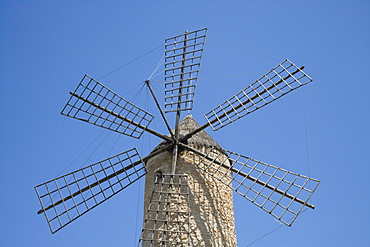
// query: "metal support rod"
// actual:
[[144, 160], [123, 118], [248, 177], [187, 136], [160, 109], [174, 159], [178, 113]]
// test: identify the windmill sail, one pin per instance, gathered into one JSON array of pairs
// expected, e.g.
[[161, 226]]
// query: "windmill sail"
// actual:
[[277, 191], [167, 220], [279, 81], [94, 103], [183, 55], [66, 198]]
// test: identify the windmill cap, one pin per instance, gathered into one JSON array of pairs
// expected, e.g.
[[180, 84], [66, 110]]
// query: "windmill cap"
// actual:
[[200, 139]]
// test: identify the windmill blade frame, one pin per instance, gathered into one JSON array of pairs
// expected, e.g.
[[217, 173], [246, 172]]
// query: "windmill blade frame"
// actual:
[[68, 197], [96, 104], [279, 192], [279, 81], [169, 205], [183, 55]]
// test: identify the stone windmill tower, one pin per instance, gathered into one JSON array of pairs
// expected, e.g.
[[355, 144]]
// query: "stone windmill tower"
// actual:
[[190, 179], [189, 207]]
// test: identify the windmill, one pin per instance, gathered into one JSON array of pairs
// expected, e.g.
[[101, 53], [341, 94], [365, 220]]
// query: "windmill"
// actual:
[[190, 179]]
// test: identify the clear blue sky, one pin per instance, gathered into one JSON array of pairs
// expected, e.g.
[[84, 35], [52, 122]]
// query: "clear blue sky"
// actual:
[[322, 130]]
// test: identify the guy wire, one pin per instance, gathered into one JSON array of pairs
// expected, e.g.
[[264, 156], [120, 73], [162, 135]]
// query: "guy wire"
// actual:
[[130, 62]]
